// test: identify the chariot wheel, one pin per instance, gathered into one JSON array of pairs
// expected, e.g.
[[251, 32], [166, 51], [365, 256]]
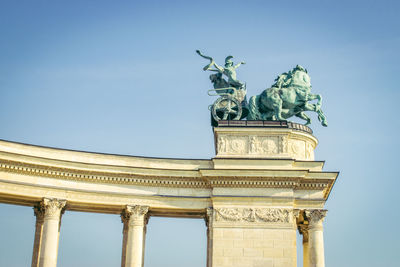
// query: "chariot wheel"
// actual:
[[226, 108]]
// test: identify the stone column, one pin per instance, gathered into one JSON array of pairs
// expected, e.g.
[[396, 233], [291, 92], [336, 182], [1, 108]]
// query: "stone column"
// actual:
[[48, 220], [135, 219], [316, 237], [209, 219], [303, 229], [39, 213]]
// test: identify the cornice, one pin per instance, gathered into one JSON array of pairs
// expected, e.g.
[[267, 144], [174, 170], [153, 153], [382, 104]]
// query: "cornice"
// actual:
[[166, 180], [23, 163]]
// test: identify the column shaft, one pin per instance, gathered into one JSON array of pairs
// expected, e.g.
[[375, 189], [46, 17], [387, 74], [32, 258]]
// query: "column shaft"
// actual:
[[38, 235], [306, 255], [209, 224], [303, 229], [316, 238], [135, 220], [48, 214]]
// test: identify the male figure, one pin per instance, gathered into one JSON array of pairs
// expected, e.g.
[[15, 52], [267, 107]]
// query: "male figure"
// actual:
[[229, 70]]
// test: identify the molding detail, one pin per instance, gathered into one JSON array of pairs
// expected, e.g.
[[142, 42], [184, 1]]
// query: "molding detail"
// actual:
[[100, 177], [266, 215]]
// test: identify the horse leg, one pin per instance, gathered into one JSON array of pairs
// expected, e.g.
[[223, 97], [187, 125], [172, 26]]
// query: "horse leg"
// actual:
[[278, 109], [316, 108], [319, 100], [303, 116]]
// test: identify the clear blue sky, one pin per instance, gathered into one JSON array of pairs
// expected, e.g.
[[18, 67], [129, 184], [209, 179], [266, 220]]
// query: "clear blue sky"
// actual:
[[122, 77]]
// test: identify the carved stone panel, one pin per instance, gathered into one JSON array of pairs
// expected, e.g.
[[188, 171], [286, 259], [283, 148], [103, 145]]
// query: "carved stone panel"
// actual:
[[264, 144], [250, 215]]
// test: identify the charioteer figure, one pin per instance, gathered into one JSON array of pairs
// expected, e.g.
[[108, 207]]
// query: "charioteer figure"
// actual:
[[232, 103]]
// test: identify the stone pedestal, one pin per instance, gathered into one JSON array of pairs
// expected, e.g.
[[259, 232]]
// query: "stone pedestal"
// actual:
[[261, 194], [259, 139]]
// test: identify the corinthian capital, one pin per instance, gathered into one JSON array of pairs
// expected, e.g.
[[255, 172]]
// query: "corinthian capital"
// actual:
[[50, 208], [209, 216], [132, 214], [315, 217]]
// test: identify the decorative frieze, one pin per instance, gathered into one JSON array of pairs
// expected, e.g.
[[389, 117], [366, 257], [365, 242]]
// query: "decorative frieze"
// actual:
[[252, 145], [264, 143], [100, 177], [260, 215]]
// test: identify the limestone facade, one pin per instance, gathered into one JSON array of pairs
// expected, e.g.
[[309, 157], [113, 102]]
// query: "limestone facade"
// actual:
[[255, 194]]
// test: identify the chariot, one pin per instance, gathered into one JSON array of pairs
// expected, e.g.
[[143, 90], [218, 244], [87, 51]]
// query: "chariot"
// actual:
[[230, 105]]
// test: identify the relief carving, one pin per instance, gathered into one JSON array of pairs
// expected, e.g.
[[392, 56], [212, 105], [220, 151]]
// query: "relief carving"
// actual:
[[269, 146], [237, 146], [231, 145], [221, 144], [253, 145], [309, 151], [253, 215], [273, 215], [284, 144], [297, 148]]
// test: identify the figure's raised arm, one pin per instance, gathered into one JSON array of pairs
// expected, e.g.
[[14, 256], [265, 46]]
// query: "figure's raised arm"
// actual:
[[218, 68], [241, 63]]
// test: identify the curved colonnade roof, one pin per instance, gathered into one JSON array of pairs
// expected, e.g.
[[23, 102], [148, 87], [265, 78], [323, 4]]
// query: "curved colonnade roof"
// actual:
[[106, 183]]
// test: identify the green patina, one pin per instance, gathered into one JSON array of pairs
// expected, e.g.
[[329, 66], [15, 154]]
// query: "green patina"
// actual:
[[287, 97]]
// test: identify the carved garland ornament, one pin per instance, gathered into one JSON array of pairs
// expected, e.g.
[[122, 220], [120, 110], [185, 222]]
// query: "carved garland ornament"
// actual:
[[253, 215]]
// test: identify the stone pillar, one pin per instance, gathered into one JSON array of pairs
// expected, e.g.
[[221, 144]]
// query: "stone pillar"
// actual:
[[209, 224], [39, 213], [48, 220], [135, 219], [316, 237], [303, 228], [252, 236]]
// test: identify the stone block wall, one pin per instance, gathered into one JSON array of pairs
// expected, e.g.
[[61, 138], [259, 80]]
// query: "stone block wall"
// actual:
[[253, 247]]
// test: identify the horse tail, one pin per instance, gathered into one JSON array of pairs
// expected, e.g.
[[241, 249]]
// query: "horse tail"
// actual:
[[254, 113]]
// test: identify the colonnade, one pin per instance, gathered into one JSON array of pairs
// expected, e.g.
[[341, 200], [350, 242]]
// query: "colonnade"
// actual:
[[47, 232], [135, 218]]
